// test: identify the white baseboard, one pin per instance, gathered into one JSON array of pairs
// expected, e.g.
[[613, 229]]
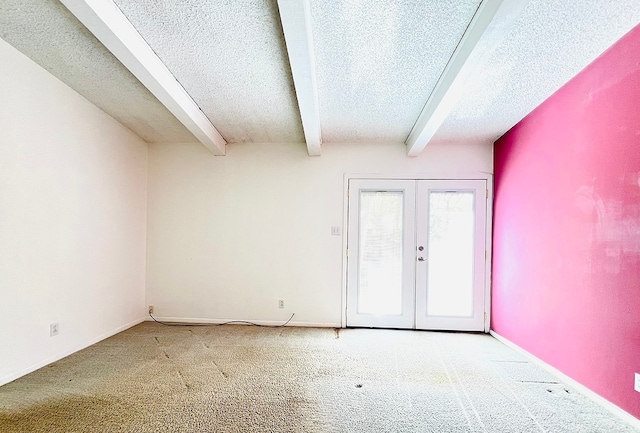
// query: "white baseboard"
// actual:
[[13, 376], [615, 410], [169, 319]]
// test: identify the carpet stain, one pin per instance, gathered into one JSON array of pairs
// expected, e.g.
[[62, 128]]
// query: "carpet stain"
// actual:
[[184, 381], [55, 415], [225, 375]]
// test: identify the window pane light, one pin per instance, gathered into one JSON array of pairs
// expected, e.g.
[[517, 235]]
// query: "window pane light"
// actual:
[[451, 248], [380, 257]]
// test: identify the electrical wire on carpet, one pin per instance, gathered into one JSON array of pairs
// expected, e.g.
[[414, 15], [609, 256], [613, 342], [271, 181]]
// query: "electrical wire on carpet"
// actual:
[[225, 323]]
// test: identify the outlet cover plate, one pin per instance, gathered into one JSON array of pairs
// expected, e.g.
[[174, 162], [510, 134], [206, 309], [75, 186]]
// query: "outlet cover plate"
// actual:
[[54, 329], [636, 385]]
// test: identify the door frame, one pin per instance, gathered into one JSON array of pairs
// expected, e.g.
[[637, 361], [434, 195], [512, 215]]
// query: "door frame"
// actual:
[[488, 177]]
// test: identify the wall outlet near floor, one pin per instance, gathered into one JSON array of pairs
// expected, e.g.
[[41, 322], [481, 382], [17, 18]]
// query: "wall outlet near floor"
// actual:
[[636, 384], [336, 231], [281, 303], [151, 309], [54, 328]]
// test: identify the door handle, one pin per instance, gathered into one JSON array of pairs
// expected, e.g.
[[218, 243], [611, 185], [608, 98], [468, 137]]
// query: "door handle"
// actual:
[[421, 259]]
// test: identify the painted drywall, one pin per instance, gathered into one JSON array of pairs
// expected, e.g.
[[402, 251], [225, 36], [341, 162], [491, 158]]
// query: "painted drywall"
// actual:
[[230, 236], [566, 264], [72, 219]]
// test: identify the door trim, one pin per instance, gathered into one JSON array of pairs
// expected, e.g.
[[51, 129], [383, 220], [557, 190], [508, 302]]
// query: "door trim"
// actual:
[[488, 177]]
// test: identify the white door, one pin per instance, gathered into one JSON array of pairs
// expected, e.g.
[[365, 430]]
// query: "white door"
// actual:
[[416, 254]]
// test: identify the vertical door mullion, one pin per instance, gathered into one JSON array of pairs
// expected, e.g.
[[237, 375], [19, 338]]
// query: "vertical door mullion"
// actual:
[[421, 266]]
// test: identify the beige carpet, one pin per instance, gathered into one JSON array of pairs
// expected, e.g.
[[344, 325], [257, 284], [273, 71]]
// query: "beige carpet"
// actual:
[[234, 378]]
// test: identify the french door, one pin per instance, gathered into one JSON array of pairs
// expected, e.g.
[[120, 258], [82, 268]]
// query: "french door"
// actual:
[[416, 254]]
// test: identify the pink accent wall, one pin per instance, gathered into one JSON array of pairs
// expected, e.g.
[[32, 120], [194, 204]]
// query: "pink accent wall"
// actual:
[[566, 246]]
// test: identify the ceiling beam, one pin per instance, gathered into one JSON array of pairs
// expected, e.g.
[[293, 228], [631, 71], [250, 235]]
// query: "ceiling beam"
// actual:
[[107, 23], [296, 23], [491, 22]]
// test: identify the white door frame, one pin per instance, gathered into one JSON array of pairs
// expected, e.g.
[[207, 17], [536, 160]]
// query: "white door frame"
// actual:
[[488, 177]]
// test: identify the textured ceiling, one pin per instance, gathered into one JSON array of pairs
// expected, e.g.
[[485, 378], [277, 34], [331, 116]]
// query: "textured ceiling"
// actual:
[[50, 35], [230, 56], [551, 42], [377, 62]]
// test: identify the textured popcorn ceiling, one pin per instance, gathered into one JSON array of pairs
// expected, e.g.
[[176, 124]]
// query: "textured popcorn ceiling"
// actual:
[[230, 56], [377, 62], [552, 42], [49, 34]]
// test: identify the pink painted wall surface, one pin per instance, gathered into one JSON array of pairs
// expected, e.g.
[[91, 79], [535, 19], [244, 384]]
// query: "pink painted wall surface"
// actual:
[[566, 267]]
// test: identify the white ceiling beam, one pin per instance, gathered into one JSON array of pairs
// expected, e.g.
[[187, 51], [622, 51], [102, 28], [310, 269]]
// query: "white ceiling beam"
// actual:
[[105, 20], [296, 23], [491, 22]]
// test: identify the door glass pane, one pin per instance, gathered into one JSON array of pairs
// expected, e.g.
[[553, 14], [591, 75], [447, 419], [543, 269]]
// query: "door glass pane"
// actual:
[[450, 264], [380, 246]]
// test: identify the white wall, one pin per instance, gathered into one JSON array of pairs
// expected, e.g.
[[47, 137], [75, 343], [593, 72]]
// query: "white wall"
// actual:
[[72, 219], [229, 236]]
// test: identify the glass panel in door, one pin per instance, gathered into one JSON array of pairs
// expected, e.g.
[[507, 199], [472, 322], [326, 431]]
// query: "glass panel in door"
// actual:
[[380, 252], [450, 243]]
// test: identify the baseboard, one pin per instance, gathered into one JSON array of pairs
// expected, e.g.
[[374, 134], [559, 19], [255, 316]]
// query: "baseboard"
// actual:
[[10, 378], [170, 319], [615, 410]]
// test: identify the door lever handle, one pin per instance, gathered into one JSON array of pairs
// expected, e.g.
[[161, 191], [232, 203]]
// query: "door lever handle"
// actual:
[[421, 259]]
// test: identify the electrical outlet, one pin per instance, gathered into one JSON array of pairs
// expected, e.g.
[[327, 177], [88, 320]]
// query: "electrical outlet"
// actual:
[[54, 329], [336, 231], [281, 303], [151, 309], [636, 384]]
